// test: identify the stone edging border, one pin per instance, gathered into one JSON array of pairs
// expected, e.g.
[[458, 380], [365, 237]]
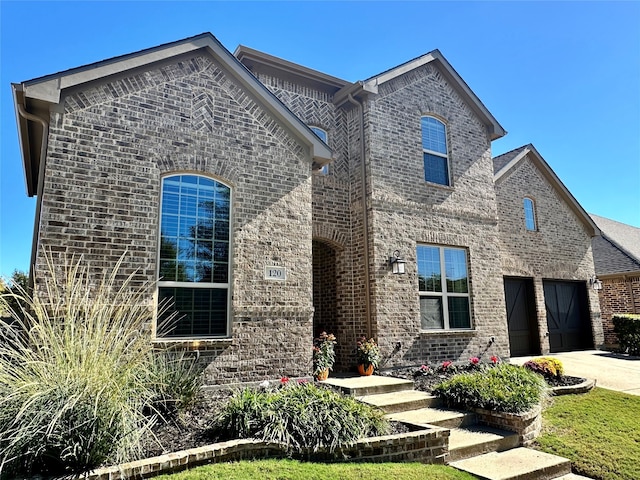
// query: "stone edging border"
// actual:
[[583, 387]]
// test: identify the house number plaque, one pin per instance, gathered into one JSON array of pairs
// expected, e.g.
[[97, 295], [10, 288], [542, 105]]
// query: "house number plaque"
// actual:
[[275, 273]]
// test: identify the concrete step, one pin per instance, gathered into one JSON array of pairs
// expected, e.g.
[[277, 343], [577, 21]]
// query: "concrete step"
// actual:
[[401, 401], [477, 440], [360, 386], [436, 416], [573, 476], [516, 464]]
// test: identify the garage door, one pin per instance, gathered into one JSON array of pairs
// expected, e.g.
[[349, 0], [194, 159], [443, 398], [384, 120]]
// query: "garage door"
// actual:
[[521, 317], [567, 315]]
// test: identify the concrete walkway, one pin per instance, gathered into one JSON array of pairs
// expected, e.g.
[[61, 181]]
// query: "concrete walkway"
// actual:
[[611, 370]]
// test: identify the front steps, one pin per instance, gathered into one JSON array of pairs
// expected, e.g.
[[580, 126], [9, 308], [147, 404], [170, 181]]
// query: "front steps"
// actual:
[[485, 452]]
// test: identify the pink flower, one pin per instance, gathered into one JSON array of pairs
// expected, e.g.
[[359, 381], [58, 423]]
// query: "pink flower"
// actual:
[[494, 359], [284, 380], [446, 364], [474, 360], [302, 381]]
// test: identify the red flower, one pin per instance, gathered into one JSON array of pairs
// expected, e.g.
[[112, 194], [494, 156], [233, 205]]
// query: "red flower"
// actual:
[[474, 360], [284, 380], [494, 359], [446, 364]]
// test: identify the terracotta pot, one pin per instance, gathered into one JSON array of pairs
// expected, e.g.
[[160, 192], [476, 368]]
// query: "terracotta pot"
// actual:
[[323, 375], [368, 371]]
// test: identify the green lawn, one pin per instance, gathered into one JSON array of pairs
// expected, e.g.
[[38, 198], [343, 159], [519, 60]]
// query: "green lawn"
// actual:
[[294, 470], [599, 432]]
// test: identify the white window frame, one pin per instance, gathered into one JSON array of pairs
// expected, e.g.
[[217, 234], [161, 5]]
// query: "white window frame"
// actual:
[[205, 285], [534, 220], [324, 136], [445, 156], [444, 294]]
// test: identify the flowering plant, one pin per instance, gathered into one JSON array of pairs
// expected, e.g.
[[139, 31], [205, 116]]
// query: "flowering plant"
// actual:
[[368, 352], [495, 359], [324, 355], [474, 360]]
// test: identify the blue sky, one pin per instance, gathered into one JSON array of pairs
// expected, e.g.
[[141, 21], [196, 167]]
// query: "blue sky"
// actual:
[[564, 76]]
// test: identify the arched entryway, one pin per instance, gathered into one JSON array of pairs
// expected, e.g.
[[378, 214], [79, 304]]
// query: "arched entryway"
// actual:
[[325, 305]]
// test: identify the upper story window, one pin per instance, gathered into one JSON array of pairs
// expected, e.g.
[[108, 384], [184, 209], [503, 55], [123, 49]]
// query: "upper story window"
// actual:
[[434, 148], [325, 138], [529, 214], [443, 286], [194, 257]]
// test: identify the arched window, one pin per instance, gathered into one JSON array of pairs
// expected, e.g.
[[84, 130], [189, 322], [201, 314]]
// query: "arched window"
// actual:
[[434, 148], [529, 214], [194, 264], [325, 138]]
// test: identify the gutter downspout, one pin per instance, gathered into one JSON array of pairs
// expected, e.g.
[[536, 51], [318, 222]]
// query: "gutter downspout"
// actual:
[[365, 216], [41, 167]]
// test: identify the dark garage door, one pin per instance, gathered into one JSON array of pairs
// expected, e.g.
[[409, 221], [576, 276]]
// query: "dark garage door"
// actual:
[[567, 316], [521, 316]]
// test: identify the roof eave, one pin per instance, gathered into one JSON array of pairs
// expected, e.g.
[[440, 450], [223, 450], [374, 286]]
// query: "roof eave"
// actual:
[[48, 89]]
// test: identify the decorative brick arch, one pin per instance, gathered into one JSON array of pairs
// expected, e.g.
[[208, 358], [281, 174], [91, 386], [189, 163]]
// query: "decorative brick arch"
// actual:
[[329, 235]]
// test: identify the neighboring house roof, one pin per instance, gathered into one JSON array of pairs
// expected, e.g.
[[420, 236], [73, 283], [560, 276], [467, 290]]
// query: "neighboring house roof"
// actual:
[[617, 251], [507, 162], [34, 98], [341, 89]]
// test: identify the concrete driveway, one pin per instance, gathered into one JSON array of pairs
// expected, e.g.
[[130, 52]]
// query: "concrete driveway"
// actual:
[[611, 370]]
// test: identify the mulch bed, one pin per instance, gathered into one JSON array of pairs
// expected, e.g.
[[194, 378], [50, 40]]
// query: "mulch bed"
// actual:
[[190, 428]]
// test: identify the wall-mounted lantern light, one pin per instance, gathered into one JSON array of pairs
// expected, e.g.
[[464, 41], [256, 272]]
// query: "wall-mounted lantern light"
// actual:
[[397, 263], [595, 283]]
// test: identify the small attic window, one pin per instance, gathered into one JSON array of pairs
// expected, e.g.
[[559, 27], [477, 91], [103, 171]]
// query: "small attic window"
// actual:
[[529, 214], [324, 137]]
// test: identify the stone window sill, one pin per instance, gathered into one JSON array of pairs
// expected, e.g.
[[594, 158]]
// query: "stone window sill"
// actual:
[[449, 333], [191, 343]]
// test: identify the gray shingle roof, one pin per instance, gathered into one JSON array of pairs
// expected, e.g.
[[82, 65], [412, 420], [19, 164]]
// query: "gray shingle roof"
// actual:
[[618, 250], [501, 160]]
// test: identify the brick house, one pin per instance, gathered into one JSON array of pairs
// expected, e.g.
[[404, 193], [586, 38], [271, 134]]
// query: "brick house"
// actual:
[[271, 202], [616, 254]]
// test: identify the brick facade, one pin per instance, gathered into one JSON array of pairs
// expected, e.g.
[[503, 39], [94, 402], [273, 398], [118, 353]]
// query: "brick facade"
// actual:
[[618, 295], [112, 139], [559, 248]]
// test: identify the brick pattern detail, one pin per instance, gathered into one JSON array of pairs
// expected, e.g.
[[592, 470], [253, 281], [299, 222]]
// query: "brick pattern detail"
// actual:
[[407, 211], [559, 249], [527, 425], [106, 155], [618, 295]]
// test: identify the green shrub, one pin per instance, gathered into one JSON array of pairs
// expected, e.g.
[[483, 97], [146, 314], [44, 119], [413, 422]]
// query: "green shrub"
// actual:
[[548, 367], [299, 415], [505, 388], [74, 377], [175, 380], [627, 328]]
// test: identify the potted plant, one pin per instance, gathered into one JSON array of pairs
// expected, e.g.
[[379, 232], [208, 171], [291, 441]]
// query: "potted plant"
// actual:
[[324, 355], [368, 356]]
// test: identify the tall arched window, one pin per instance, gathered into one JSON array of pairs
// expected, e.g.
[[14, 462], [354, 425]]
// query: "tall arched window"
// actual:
[[194, 257], [529, 214], [324, 137], [434, 148]]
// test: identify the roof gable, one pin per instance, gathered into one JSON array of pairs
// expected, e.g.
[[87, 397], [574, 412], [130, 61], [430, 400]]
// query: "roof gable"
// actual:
[[436, 58], [39, 94], [506, 164]]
